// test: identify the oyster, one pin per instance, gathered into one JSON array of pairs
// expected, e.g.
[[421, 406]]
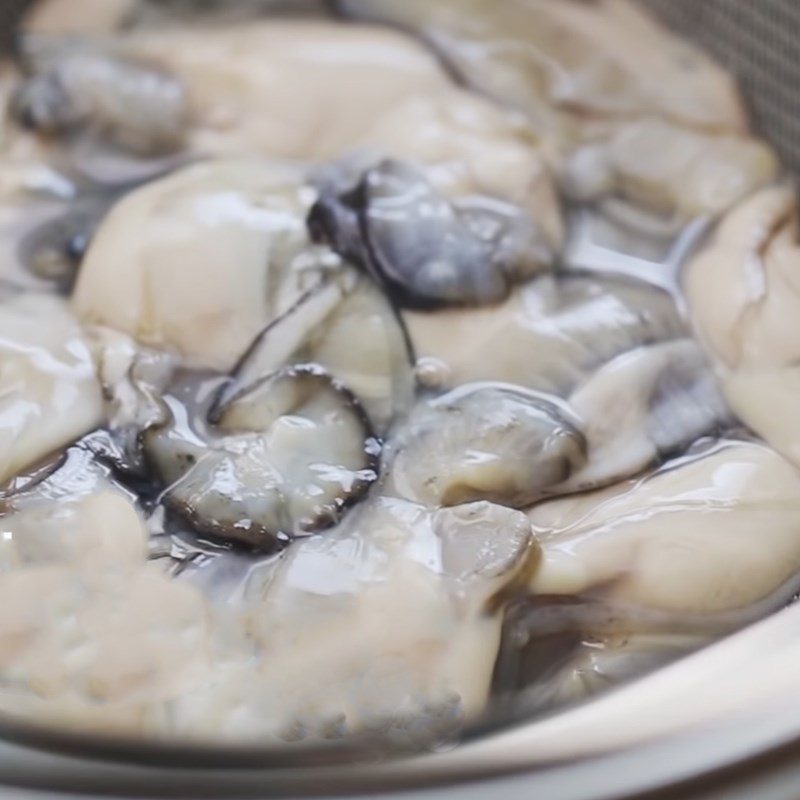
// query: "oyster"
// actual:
[[133, 380], [63, 515], [87, 630], [78, 16], [100, 652], [655, 122], [294, 450], [548, 335], [49, 394], [743, 295], [425, 250], [73, 86], [345, 325], [642, 407], [514, 447], [486, 442], [225, 250], [689, 539], [395, 605], [465, 147], [357, 90], [676, 173]]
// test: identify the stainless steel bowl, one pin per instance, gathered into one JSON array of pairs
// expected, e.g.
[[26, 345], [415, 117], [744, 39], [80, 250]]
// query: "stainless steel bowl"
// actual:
[[722, 723]]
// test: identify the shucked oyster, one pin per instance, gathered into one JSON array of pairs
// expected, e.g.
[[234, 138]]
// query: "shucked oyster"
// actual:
[[687, 539], [673, 172], [223, 252], [751, 327], [75, 86], [291, 452], [548, 335], [424, 249], [395, 607], [501, 443], [487, 442], [49, 394], [345, 325], [83, 16]]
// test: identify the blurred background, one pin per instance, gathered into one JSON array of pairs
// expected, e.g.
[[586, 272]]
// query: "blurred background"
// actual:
[[759, 40]]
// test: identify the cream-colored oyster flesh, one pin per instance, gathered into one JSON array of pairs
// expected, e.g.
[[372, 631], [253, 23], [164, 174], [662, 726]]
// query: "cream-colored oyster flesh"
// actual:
[[281, 458], [743, 291], [316, 93], [90, 636], [228, 236], [327, 89], [485, 441], [49, 394], [77, 517], [393, 609], [346, 325], [103, 652], [549, 335], [644, 406], [499, 442], [468, 148], [712, 534], [750, 265], [675, 172], [201, 260], [766, 400]]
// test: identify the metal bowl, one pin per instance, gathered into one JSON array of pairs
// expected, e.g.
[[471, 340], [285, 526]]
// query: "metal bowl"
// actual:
[[722, 723]]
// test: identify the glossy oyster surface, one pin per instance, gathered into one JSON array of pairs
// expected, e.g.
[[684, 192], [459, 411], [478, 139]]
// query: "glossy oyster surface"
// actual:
[[322, 418], [225, 254], [284, 457]]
